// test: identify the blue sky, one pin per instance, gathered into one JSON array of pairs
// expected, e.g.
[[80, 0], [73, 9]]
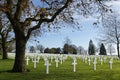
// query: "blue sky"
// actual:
[[79, 38]]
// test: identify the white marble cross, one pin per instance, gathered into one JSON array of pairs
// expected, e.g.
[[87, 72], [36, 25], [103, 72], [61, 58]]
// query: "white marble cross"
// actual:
[[56, 60], [110, 62], [35, 55], [94, 62], [45, 60], [38, 58], [89, 60], [105, 59], [47, 64], [74, 65], [61, 59], [101, 60], [35, 61], [51, 57], [85, 59], [27, 61], [64, 58]]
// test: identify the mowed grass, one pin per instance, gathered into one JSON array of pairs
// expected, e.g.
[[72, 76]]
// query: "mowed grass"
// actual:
[[63, 72]]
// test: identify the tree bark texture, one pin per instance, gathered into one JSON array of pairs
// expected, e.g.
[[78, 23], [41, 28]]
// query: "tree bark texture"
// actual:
[[19, 64], [118, 50], [4, 49]]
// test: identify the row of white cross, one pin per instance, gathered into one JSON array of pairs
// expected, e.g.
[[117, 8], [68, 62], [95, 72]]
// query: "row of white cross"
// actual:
[[62, 58], [35, 60], [101, 61]]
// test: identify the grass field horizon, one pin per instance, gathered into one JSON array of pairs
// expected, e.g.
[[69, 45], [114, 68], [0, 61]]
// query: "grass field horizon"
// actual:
[[63, 72]]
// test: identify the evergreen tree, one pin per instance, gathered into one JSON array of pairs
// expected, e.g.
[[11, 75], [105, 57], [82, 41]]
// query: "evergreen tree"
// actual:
[[58, 50], [65, 48], [102, 49], [91, 48], [47, 50], [74, 51], [69, 49]]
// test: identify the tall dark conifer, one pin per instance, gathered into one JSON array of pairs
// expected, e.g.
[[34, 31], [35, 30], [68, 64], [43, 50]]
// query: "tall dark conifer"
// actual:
[[102, 49], [91, 48]]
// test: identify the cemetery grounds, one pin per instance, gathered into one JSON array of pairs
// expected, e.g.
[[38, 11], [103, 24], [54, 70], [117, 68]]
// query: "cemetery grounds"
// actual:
[[64, 71]]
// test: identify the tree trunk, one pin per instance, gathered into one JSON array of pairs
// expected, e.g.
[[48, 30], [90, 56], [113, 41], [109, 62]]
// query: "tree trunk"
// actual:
[[4, 49], [19, 64], [4, 56], [118, 50]]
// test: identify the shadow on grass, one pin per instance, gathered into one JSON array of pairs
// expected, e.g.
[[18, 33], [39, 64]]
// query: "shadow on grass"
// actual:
[[4, 71], [10, 71]]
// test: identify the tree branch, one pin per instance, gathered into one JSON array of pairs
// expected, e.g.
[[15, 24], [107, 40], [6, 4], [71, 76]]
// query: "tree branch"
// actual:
[[46, 19], [19, 7], [33, 28], [57, 13]]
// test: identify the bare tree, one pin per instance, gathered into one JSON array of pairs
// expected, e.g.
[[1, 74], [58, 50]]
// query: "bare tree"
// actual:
[[67, 41], [40, 48], [111, 29], [6, 37], [32, 49], [81, 50], [26, 17], [110, 49]]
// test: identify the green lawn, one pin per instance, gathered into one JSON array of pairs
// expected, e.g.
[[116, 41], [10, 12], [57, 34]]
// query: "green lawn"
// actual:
[[63, 72]]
